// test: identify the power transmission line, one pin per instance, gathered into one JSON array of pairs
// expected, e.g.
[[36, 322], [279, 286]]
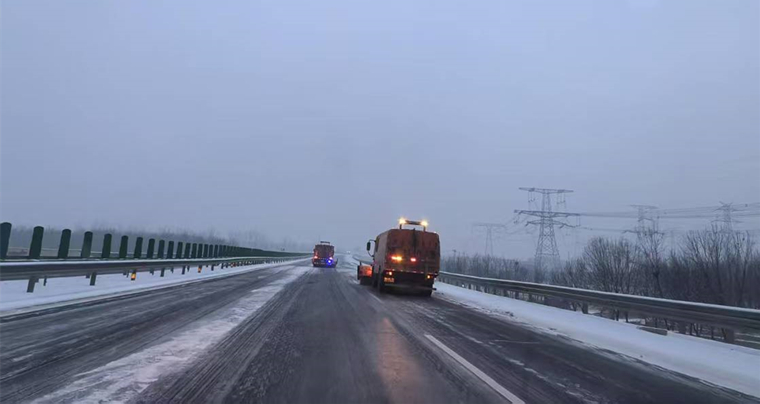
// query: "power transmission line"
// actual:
[[707, 212]]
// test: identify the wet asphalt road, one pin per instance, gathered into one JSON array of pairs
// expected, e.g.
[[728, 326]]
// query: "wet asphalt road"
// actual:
[[326, 339]]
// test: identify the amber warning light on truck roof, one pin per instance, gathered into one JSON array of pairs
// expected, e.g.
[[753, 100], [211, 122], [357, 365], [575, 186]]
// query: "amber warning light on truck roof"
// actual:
[[403, 221]]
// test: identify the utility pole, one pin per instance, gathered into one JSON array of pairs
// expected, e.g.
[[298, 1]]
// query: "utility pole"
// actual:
[[490, 228], [547, 253]]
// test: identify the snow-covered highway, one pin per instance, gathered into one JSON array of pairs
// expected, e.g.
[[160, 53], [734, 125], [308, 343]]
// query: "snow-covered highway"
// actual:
[[292, 333]]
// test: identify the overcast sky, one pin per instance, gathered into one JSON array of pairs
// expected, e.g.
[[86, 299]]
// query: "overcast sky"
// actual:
[[330, 119]]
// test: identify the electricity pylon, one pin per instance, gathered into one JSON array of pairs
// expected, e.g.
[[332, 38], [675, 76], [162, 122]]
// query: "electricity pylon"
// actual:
[[491, 228], [547, 253]]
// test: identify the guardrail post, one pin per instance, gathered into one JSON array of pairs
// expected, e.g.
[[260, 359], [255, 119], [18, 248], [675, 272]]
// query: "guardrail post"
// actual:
[[123, 247], [63, 247], [194, 251], [162, 272], [151, 247], [30, 286], [86, 245], [161, 246], [138, 248], [5, 238], [170, 250], [106, 253], [35, 249], [179, 254], [92, 278]]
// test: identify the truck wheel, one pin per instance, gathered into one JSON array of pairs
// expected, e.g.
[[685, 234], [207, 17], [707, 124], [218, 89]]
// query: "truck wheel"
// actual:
[[365, 280], [427, 293], [381, 283], [374, 281]]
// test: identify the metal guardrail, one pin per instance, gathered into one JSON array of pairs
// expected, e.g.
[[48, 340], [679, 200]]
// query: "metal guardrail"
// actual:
[[154, 248], [708, 314], [36, 270], [363, 260], [158, 255]]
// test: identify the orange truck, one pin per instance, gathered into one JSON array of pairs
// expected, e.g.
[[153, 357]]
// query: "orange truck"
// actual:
[[403, 258], [324, 255]]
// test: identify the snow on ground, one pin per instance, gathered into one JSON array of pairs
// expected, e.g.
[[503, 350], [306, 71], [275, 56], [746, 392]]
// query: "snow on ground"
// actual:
[[121, 380], [731, 366], [13, 295], [355, 259]]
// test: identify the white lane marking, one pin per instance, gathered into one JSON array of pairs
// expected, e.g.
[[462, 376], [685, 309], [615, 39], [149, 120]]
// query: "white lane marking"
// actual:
[[375, 297], [477, 372]]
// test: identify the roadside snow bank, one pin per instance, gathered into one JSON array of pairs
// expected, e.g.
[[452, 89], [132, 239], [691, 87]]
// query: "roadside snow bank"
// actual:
[[13, 294], [731, 366]]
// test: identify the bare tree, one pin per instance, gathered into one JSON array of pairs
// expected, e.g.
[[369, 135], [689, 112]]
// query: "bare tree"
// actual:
[[612, 265]]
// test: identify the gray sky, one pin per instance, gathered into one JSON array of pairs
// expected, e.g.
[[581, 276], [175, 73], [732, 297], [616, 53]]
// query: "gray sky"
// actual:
[[332, 119]]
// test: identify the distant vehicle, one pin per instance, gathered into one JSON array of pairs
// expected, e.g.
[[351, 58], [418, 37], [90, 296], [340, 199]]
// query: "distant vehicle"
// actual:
[[403, 258], [324, 255]]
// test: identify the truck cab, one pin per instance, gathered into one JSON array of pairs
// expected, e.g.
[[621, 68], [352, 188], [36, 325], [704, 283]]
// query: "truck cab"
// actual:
[[324, 255], [403, 258]]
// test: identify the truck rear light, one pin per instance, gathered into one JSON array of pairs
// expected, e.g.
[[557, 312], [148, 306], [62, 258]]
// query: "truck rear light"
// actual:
[[397, 258], [428, 276], [389, 273], [413, 259]]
